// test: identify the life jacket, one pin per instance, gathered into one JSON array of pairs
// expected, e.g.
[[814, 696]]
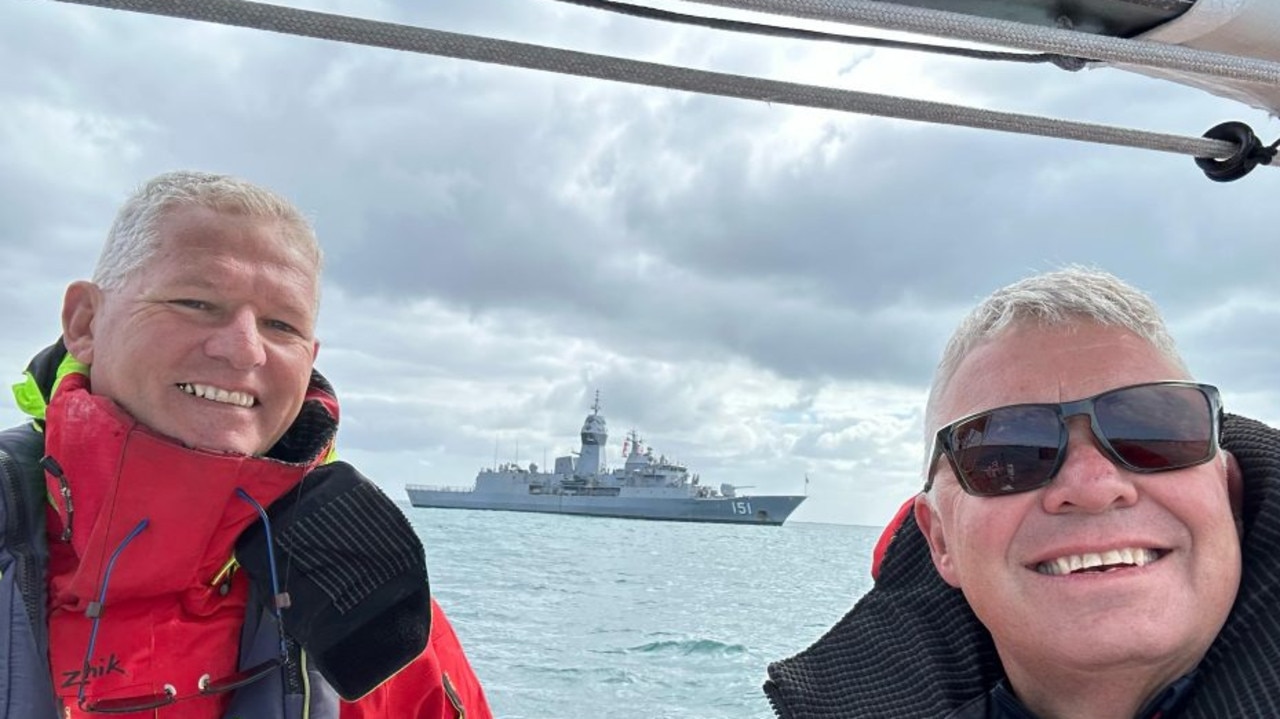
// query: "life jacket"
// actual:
[[81, 509], [912, 647]]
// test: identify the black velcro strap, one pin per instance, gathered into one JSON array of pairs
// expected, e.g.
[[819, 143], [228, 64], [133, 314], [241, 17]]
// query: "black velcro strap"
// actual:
[[349, 549], [356, 576]]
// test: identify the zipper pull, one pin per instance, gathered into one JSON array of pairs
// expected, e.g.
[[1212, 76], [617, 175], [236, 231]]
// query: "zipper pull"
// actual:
[[222, 580], [52, 467]]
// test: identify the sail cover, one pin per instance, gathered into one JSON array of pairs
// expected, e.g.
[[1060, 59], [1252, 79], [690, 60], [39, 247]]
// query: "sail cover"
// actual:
[[1245, 28], [1118, 18]]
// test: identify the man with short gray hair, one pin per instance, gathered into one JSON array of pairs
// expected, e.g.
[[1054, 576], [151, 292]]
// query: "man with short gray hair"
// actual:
[[176, 537], [1095, 538]]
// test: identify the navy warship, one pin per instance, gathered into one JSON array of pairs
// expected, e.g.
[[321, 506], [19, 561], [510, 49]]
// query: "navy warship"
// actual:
[[646, 487]]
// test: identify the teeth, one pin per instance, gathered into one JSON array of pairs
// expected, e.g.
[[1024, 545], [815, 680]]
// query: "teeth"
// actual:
[[1128, 556], [216, 394]]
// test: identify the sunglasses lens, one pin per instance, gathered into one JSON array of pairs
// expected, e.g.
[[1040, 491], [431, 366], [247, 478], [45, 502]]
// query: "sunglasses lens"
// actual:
[[1156, 427], [1006, 450]]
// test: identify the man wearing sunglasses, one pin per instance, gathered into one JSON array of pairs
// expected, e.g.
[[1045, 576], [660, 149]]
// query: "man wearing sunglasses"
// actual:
[[1095, 538], [141, 571]]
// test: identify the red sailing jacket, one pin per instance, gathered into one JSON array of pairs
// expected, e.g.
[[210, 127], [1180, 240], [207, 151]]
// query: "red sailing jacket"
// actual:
[[171, 614]]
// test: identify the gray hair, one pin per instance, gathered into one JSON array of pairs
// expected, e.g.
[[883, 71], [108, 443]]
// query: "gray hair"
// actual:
[[134, 239], [1053, 299]]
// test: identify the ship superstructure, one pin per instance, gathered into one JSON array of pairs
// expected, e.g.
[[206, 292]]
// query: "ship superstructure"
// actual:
[[645, 487]]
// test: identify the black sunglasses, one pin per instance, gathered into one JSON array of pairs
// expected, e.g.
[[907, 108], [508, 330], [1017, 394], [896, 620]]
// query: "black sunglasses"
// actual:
[[205, 686], [1153, 427]]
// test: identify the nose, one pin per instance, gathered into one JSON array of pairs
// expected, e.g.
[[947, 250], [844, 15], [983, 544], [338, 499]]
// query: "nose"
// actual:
[[1088, 481], [238, 341]]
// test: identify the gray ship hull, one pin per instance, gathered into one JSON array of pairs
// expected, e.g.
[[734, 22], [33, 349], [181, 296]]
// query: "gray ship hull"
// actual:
[[767, 510]]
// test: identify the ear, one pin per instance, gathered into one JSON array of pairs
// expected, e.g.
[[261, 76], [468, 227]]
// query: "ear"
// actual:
[[81, 303], [1235, 487], [931, 527], [315, 350]]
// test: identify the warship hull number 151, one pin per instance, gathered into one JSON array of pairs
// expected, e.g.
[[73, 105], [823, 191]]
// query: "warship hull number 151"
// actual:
[[646, 487]]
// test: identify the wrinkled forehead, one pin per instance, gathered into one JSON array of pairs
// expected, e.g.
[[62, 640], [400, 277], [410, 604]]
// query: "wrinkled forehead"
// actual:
[[197, 244], [290, 233]]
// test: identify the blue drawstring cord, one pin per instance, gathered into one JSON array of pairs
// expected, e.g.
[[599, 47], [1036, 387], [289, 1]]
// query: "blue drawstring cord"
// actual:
[[278, 600], [95, 607]]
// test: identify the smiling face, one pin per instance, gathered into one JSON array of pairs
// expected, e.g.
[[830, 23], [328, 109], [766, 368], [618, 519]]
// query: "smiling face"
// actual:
[[1029, 563], [212, 340]]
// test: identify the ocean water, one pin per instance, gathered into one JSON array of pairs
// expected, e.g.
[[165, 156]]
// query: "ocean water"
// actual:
[[574, 617]]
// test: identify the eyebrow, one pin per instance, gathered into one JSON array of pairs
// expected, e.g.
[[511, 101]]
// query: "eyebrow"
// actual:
[[195, 281], [293, 311]]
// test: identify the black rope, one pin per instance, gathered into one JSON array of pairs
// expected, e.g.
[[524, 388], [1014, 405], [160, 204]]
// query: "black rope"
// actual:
[[1066, 62], [1249, 154]]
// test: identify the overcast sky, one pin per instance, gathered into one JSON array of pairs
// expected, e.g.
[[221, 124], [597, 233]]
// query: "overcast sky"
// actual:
[[760, 291]]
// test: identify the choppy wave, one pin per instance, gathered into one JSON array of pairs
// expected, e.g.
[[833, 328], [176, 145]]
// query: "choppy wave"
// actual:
[[582, 617], [689, 646]]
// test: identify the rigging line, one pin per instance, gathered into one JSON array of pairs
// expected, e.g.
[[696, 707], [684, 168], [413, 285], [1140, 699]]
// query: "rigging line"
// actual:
[[649, 13], [309, 23], [1006, 33]]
